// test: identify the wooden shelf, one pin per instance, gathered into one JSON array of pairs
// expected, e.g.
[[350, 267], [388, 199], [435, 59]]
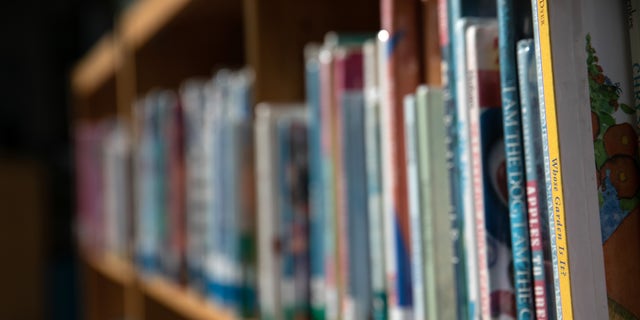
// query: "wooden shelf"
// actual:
[[111, 267], [96, 68], [182, 301]]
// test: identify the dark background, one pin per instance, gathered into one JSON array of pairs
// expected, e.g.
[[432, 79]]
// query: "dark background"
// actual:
[[41, 41]]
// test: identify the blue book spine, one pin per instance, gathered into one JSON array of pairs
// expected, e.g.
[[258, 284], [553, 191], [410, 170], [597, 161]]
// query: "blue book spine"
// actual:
[[316, 185], [415, 210], [359, 288], [538, 213], [450, 13], [512, 123]]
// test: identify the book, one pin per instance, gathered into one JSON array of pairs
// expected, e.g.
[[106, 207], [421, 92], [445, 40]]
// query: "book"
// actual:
[[398, 18], [318, 213], [272, 203], [350, 96], [440, 289], [196, 184], [488, 160], [293, 218], [415, 209], [374, 180], [543, 292], [514, 19], [327, 125]]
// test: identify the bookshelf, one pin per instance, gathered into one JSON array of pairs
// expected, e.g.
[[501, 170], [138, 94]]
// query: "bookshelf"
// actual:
[[161, 43]]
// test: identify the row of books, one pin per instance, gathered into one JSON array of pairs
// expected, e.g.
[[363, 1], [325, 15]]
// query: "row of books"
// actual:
[[382, 198]]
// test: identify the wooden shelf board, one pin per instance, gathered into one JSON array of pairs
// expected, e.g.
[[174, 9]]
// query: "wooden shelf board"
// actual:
[[146, 18], [96, 68], [182, 301], [111, 267]]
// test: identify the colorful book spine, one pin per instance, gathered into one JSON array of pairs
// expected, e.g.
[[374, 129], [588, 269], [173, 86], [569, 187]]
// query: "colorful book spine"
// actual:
[[489, 172], [446, 18], [536, 197], [553, 165], [471, 234], [358, 302], [196, 185], [342, 219], [327, 124], [293, 219], [317, 214], [268, 213], [440, 294], [176, 191], [415, 209], [374, 183], [509, 29], [398, 18], [241, 98]]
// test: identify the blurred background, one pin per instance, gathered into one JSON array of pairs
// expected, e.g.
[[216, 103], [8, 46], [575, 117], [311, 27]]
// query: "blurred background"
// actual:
[[41, 42]]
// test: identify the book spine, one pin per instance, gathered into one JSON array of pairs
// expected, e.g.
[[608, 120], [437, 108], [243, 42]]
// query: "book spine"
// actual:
[[415, 210], [268, 275], [339, 80], [473, 240], [553, 165], [475, 52], [285, 221], [300, 223], [441, 294], [374, 184], [333, 297], [512, 124], [358, 304], [403, 71], [316, 184], [534, 172], [445, 16]]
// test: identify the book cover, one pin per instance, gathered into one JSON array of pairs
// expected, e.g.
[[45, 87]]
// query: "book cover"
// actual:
[[374, 181], [489, 173], [399, 19], [415, 209], [317, 211], [514, 23], [440, 288], [611, 93], [543, 293], [351, 99]]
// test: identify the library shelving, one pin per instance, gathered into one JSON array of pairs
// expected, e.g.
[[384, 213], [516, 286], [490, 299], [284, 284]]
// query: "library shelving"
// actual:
[[160, 44]]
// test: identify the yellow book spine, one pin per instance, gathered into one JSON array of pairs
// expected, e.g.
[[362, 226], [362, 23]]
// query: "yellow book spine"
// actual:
[[553, 140]]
